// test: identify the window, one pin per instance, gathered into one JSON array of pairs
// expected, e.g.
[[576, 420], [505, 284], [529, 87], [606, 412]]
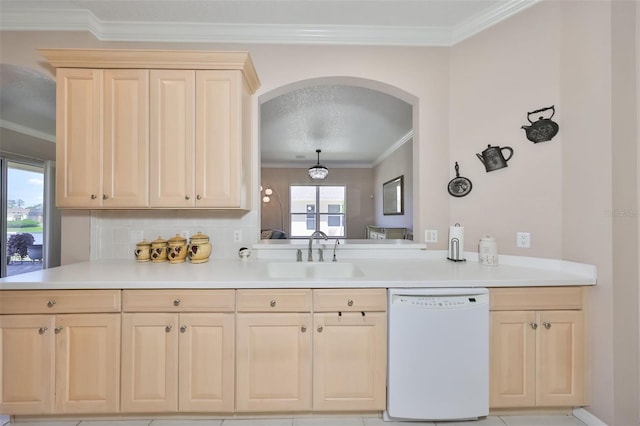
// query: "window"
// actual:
[[22, 229], [317, 208]]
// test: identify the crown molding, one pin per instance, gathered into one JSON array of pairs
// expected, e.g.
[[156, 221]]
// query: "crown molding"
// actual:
[[27, 131], [406, 138], [489, 18], [84, 20]]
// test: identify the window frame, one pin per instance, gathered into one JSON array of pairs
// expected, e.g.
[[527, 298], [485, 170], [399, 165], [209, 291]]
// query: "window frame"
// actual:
[[317, 214]]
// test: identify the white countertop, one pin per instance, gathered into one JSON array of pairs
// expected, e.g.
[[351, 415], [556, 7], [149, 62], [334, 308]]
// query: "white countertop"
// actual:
[[424, 269]]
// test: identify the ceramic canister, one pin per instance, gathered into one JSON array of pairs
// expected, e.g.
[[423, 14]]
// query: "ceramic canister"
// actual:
[[159, 250], [488, 251], [199, 248], [143, 251], [177, 249]]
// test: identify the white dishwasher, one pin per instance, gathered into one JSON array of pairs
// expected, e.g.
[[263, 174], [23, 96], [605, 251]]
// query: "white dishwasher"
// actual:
[[438, 354]]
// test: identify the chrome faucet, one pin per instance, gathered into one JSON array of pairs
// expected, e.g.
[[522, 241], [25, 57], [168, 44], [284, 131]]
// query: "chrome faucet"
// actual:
[[311, 238], [335, 248]]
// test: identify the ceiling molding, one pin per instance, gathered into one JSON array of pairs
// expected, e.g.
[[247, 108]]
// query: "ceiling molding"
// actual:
[[489, 18], [406, 138], [27, 131], [84, 20]]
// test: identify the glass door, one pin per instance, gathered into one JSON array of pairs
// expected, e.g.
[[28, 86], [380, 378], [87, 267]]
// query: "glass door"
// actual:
[[22, 186]]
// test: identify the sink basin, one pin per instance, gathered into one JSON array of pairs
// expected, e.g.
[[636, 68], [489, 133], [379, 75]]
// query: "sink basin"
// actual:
[[317, 270]]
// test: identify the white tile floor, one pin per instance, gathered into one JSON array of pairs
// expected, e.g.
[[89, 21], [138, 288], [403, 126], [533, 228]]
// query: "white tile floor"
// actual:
[[547, 420]]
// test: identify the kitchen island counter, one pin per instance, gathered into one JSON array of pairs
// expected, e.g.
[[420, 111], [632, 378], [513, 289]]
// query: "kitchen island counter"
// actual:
[[429, 269]]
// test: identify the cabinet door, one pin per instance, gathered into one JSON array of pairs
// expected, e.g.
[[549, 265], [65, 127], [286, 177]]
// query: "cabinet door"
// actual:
[[560, 356], [26, 362], [218, 139], [172, 138], [126, 138], [273, 362], [349, 361], [87, 363], [149, 363], [206, 372], [512, 370], [79, 137]]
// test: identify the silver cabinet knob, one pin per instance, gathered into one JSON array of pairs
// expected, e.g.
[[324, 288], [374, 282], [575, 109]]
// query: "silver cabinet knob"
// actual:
[[198, 197], [187, 197], [183, 329], [320, 329], [105, 196], [94, 196], [57, 330], [176, 302], [167, 328], [546, 325], [533, 325], [349, 302], [303, 328], [272, 303], [51, 303], [42, 330]]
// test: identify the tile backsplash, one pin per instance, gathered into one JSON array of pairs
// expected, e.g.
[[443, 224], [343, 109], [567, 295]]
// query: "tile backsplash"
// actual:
[[114, 233]]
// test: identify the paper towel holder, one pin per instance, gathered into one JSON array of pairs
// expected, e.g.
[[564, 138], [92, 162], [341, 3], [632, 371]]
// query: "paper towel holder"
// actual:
[[455, 250]]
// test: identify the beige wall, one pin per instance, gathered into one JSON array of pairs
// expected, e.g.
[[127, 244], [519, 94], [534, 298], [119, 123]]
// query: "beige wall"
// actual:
[[359, 201], [400, 163], [566, 192]]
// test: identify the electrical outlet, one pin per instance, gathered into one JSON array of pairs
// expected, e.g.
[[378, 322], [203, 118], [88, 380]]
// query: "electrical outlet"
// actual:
[[431, 236], [237, 236], [523, 239]]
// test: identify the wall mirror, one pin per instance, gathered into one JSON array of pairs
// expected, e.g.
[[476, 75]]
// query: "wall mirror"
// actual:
[[393, 196]]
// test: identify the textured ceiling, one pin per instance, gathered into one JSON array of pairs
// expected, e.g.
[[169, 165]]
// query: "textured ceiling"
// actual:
[[353, 126]]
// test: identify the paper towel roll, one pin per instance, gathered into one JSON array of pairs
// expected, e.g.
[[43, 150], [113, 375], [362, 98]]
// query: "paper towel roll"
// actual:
[[456, 242]]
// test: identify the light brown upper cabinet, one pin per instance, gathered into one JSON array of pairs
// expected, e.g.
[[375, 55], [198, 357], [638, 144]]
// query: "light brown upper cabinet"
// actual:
[[153, 128], [102, 138]]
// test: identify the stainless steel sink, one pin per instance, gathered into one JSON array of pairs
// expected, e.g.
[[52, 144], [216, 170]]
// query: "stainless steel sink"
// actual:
[[313, 270]]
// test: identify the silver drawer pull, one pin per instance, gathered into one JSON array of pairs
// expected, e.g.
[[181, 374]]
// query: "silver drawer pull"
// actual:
[[533, 325], [51, 303], [187, 197], [350, 302], [198, 197], [183, 329], [105, 196], [176, 302], [57, 330], [272, 303], [320, 329], [94, 196], [42, 330], [167, 328], [546, 325], [303, 328]]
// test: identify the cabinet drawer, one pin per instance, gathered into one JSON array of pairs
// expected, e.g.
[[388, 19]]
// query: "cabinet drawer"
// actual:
[[178, 300], [59, 301], [536, 298], [331, 300], [274, 300]]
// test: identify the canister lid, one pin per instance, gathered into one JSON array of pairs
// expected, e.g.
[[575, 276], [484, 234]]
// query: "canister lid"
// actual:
[[143, 243], [199, 238], [178, 239], [159, 240]]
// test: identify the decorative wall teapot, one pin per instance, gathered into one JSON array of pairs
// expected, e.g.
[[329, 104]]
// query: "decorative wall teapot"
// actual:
[[542, 130], [493, 159]]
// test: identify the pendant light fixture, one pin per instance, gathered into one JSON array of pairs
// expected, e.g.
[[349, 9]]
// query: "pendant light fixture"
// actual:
[[318, 171]]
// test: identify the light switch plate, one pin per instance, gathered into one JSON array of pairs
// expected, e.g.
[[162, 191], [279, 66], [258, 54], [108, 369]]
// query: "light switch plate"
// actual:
[[431, 236]]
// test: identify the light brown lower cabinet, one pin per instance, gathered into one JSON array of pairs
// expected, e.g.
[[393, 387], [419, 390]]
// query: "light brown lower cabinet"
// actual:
[[537, 356], [177, 362], [66, 363]]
